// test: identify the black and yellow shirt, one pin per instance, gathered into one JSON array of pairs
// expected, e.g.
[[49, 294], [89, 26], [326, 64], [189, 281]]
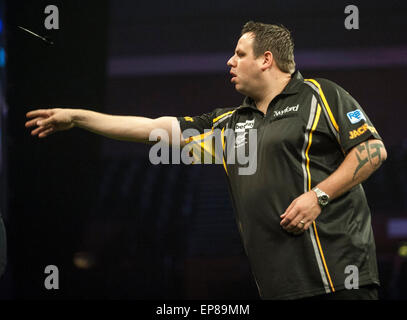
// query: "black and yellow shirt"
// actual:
[[301, 140]]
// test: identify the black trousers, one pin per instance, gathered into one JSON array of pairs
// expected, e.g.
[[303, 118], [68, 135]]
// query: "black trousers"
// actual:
[[368, 292]]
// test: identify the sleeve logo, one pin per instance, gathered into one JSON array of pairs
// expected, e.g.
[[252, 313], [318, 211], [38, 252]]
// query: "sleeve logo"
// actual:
[[361, 130], [355, 116]]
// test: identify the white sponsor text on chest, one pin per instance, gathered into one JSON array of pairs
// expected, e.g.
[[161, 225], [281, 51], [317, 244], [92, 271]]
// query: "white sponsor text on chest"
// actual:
[[242, 126], [286, 110]]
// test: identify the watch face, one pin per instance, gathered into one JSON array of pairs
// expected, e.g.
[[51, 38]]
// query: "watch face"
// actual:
[[323, 200]]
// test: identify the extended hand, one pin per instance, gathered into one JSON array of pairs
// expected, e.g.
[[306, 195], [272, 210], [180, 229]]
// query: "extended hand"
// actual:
[[49, 121], [305, 208]]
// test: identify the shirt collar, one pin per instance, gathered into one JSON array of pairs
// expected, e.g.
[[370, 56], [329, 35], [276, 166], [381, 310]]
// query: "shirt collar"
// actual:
[[292, 87]]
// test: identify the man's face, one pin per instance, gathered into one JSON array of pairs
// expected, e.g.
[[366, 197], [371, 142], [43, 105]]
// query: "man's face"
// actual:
[[244, 67]]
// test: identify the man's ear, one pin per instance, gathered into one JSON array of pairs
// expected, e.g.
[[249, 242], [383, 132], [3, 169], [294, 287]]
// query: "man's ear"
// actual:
[[267, 60]]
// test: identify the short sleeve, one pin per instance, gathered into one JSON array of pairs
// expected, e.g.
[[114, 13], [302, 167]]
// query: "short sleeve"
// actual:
[[200, 134], [347, 117], [202, 123], [199, 123]]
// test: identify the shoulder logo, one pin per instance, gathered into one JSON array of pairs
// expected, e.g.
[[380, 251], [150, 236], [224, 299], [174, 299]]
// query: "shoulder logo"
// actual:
[[355, 116]]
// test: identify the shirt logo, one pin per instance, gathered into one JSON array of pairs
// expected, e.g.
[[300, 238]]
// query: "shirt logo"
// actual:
[[240, 130], [242, 126], [286, 110], [355, 116]]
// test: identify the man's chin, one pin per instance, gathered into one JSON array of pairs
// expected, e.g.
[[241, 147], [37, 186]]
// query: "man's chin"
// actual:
[[239, 89]]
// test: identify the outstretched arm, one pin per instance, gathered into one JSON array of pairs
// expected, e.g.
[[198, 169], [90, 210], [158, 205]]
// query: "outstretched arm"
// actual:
[[357, 166], [128, 128]]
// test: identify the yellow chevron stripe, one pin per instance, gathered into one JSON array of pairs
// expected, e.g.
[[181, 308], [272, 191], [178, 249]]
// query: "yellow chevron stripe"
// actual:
[[203, 136], [222, 116], [321, 93], [223, 147], [323, 258], [199, 136]]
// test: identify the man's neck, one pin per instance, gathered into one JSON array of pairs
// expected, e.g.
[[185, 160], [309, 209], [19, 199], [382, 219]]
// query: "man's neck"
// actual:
[[274, 88]]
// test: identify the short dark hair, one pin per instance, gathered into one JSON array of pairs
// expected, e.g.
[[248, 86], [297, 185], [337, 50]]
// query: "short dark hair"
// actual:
[[274, 38]]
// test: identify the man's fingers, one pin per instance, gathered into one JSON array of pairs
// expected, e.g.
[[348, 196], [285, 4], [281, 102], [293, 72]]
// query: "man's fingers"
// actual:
[[39, 130], [46, 122], [289, 217], [39, 113], [33, 113], [296, 229], [46, 133], [287, 211], [293, 228], [42, 117], [33, 122], [307, 225], [296, 224]]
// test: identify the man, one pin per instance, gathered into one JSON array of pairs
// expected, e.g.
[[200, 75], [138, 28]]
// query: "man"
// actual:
[[302, 215]]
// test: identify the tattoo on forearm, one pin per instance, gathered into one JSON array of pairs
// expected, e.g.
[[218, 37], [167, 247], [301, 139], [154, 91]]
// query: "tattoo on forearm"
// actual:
[[361, 162], [370, 156]]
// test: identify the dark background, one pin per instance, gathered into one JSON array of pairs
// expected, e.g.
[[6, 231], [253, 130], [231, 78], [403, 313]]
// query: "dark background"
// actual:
[[117, 226]]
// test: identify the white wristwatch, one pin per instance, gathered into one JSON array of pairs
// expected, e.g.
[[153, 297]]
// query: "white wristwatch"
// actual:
[[323, 198]]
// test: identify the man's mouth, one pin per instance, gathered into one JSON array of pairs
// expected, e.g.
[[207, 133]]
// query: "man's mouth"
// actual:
[[234, 76]]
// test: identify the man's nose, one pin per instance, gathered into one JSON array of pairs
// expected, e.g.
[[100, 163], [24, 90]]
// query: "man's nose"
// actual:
[[230, 62]]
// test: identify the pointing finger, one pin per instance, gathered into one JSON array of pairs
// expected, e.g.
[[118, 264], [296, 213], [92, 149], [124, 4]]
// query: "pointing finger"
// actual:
[[39, 113]]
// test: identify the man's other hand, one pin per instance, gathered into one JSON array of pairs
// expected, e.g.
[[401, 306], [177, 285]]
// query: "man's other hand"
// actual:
[[301, 213]]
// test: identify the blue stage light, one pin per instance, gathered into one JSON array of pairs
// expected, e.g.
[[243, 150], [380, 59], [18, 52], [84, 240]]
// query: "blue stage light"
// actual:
[[2, 57]]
